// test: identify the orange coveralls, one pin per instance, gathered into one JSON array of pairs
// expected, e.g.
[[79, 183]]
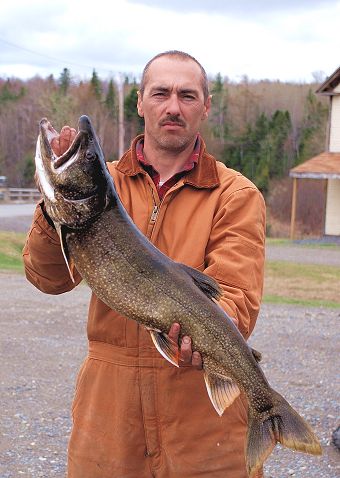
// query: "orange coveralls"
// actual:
[[134, 414]]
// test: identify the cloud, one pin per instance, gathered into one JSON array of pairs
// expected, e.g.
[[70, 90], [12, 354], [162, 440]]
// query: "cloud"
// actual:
[[58, 34], [239, 8], [263, 39]]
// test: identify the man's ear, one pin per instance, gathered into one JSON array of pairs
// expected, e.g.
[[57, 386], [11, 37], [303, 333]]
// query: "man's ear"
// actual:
[[140, 104], [207, 107]]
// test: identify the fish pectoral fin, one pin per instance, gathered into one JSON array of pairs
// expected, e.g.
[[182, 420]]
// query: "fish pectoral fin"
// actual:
[[256, 354], [222, 391], [207, 284], [64, 249], [165, 346]]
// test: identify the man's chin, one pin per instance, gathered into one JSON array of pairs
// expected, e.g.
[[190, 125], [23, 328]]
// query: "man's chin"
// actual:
[[173, 143]]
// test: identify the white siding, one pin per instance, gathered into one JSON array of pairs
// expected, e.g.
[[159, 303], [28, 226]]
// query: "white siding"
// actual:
[[332, 222], [334, 137]]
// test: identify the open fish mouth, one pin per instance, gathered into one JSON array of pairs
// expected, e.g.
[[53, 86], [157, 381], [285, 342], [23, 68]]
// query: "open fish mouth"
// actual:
[[72, 152], [82, 140], [77, 174]]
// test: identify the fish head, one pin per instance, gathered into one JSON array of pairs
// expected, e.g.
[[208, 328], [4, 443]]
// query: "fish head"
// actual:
[[75, 185]]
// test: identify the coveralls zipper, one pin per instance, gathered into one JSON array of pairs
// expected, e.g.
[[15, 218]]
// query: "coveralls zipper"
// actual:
[[157, 204], [155, 210]]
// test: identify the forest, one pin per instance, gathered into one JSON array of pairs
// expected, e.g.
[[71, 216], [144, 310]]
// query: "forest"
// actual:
[[261, 128]]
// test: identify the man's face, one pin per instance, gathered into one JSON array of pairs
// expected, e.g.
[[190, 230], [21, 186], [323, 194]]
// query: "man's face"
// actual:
[[173, 104]]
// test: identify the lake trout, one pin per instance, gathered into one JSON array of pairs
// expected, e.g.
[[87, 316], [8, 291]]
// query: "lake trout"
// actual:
[[134, 278]]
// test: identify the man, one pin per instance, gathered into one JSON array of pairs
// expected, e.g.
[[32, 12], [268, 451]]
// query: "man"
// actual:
[[134, 414]]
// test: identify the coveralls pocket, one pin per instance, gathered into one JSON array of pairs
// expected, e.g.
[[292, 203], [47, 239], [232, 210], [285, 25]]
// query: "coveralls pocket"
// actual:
[[82, 374]]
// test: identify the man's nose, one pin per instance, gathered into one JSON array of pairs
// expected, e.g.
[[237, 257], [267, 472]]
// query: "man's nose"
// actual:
[[172, 105]]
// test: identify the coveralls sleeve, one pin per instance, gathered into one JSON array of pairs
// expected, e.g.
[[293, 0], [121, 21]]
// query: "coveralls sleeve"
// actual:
[[44, 262], [236, 252]]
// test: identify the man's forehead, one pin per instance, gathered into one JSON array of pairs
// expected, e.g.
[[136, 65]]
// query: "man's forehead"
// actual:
[[167, 72]]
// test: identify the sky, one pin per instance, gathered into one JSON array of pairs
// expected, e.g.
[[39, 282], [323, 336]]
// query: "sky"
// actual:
[[286, 40]]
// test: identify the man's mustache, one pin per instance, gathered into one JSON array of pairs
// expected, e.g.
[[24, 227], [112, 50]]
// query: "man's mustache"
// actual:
[[172, 119]]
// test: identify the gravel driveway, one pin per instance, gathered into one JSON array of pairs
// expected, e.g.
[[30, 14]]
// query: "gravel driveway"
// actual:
[[42, 344], [308, 255]]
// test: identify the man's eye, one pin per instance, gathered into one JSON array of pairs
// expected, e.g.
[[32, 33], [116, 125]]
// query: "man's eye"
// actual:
[[159, 94], [188, 97]]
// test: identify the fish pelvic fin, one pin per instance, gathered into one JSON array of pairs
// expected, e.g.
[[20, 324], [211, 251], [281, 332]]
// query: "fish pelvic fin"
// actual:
[[64, 249], [280, 424], [207, 284], [165, 346], [222, 391]]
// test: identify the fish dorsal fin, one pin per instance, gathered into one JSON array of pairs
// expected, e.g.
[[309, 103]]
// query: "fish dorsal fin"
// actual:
[[207, 284], [61, 233], [256, 354], [222, 391], [165, 346]]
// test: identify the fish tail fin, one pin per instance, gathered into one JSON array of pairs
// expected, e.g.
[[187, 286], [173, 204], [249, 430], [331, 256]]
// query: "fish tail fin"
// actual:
[[280, 424]]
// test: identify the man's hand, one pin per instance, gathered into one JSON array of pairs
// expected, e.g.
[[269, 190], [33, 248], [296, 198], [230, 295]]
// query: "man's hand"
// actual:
[[186, 356], [59, 144], [63, 141]]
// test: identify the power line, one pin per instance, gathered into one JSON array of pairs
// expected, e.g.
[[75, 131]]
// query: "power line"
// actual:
[[58, 60]]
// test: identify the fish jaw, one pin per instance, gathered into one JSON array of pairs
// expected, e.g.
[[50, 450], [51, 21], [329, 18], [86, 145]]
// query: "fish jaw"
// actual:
[[73, 185]]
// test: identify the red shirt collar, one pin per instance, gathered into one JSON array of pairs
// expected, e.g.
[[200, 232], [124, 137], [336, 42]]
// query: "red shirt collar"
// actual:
[[154, 174], [192, 160]]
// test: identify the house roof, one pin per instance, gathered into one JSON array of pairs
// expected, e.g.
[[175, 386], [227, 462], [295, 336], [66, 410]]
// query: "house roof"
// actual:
[[327, 87], [324, 166]]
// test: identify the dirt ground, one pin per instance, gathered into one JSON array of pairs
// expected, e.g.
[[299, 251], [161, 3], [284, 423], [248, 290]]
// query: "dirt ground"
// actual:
[[43, 342]]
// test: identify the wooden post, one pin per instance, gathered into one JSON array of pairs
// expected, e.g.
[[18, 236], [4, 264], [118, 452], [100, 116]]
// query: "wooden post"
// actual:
[[293, 212], [121, 131]]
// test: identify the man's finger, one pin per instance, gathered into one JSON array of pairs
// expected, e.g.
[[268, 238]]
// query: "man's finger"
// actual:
[[186, 351], [73, 134], [65, 139], [55, 145], [174, 332], [196, 360]]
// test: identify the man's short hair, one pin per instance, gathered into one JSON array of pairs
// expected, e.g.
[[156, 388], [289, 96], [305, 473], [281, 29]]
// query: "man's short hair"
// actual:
[[176, 54]]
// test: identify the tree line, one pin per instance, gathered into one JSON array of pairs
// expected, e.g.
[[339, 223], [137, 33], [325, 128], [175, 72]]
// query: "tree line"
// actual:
[[261, 128]]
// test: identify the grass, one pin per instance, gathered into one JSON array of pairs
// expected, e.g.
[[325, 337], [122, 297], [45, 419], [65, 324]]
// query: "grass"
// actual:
[[285, 282], [272, 241], [11, 245], [275, 299], [305, 284]]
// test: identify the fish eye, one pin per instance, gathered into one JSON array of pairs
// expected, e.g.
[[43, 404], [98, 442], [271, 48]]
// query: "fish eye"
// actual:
[[89, 155]]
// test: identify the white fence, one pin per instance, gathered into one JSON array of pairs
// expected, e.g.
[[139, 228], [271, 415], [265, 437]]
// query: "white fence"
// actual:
[[19, 195]]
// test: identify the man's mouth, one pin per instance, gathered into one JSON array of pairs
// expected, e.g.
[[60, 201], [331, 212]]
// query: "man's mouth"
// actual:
[[172, 123]]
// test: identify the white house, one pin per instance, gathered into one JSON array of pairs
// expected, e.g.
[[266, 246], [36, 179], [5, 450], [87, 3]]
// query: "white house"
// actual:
[[326, 165]]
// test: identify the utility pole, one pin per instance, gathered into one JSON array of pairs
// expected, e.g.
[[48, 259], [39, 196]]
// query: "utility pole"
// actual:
[[121, 130]]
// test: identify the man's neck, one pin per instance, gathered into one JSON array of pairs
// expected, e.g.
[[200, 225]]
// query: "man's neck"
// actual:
[[167, 163]]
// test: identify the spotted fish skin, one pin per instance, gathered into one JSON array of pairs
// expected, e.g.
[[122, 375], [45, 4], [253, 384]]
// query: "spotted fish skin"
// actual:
[[134, 278]]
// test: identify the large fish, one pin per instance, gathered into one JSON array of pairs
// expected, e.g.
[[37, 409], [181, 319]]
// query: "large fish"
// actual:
[[134, 278]]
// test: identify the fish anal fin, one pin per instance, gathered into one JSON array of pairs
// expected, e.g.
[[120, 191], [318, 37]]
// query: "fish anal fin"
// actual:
[[222, 391], [165, 346], [207, 284], [64, 249]]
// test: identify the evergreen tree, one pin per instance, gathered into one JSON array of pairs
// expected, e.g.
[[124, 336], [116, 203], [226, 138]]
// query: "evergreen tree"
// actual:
[[9, 93], [130, 111], [110, 100], [220, 127], [311, 138], [28, 170], [96, 85], [64, 81], [261, 152]]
